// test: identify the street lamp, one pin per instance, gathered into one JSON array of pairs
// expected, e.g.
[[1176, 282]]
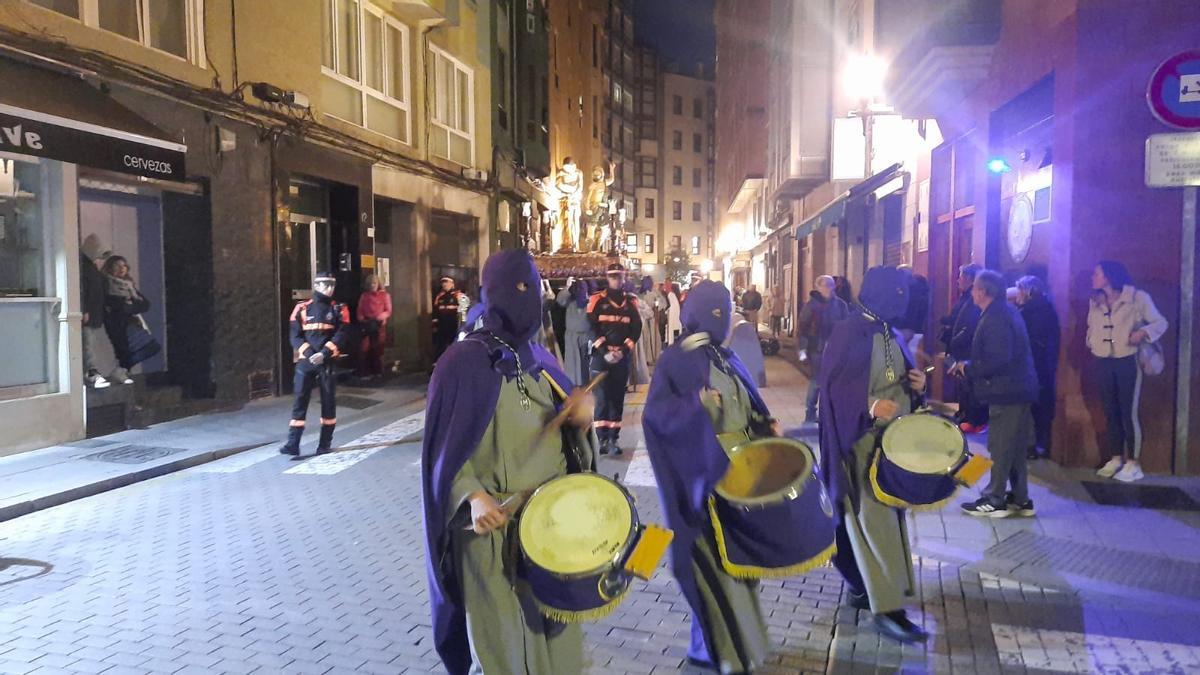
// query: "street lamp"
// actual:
[[862, 80]]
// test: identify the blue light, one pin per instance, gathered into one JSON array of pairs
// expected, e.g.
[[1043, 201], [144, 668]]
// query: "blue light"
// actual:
[[998, 165]]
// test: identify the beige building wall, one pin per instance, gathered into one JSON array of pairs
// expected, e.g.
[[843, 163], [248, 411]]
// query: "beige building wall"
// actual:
[[680, 122], [576, 83]]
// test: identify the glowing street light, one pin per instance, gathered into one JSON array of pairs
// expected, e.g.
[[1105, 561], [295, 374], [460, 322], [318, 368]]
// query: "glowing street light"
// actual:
[[998, 165], [863, 77]]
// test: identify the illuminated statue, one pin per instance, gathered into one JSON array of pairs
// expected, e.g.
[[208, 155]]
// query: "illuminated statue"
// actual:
[[598, 211], [570, 185]]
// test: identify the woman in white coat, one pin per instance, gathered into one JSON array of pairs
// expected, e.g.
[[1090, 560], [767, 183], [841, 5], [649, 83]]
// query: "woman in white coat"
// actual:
[[674, 325]]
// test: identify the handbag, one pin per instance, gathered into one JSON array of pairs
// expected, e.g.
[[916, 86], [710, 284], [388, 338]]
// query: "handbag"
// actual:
[[142, 345], [1150, 358]]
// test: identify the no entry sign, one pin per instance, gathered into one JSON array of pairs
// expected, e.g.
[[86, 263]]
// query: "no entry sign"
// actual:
[[1174, 92]]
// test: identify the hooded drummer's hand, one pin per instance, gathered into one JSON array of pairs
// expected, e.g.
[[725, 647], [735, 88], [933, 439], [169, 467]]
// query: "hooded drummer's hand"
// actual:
[[884, 409], [486, 514], [916, 379]]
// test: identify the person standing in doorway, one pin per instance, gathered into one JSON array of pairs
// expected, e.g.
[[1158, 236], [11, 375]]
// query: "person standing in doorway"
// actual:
[[618, 326], [823, 309], [318, 335], [1120, 318], [752, 302], [91, 296], [374, 310], [1002, 376], [1041, 322], [449, 310], [778, 310], [124, 305]]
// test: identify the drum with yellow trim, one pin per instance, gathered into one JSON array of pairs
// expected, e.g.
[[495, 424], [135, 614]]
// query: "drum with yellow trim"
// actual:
[[577, 534], [920, 460], [771, 517]]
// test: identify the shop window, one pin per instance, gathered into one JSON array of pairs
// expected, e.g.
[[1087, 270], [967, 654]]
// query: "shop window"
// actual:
[[173, 26], [453, 134], [695, 245], [649, 208], [677, 210], [648, 240], [631, 243], [1041, 205], [30, 300], [365, 56]]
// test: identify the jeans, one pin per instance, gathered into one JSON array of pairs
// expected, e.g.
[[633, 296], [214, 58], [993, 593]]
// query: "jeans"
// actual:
[[814, 389], [1010, 433], [1120, 393]]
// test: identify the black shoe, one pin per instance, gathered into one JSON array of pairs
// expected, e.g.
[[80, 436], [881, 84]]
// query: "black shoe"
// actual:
[[858, 600], [897, 626], [289, 450], [292, 447], [1024, 510], [326, 440], [984, 508], [604, 447]]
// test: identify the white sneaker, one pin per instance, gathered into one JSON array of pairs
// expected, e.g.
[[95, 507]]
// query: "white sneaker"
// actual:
[[121, 375], [98, 381], [1110, 468], [1129, 473]]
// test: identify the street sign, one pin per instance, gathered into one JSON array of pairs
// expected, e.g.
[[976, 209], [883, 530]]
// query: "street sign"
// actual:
[[1173, 160], [1174, 92]]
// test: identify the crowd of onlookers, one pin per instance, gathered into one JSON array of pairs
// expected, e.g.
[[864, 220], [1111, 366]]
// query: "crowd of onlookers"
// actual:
[[999, 346]]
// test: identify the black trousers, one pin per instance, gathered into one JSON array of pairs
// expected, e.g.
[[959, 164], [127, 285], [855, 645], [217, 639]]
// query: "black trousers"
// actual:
[[1043, 410], [610, 395], [309, 376], [1120, 394]]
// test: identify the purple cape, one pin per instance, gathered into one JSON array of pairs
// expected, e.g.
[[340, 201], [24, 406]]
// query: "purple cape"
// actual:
[[462, 400], [845, 382], [687, 459]]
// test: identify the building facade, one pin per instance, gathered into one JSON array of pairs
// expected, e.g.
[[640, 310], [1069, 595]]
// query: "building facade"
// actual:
[[688, 169], [249, 169]]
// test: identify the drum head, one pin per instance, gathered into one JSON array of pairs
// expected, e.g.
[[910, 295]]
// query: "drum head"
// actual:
[[760, 469], [575, 524], [923, 443]]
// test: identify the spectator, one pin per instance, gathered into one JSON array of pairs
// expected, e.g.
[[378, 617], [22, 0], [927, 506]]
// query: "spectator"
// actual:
[[843, 289], [91, 295], [752, 302], [1001, 373], [124, 305], [958, 330], [674, 326], [374, 310], [1120, 317], [823, 309], [649, 305], [1041, 323], [778, 310], [912, 326]]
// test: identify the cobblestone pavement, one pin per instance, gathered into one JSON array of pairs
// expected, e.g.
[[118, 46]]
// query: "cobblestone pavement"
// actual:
[[259, 564]]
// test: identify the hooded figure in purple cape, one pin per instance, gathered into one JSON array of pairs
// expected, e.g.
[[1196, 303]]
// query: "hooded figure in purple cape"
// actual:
[[868, 378], [490, 396], [702, 402]]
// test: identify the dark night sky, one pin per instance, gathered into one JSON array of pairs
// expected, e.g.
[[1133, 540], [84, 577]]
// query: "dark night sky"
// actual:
[[681, 30]]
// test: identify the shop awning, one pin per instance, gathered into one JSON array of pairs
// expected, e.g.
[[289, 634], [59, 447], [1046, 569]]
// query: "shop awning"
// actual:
[[56, 116], [832, 212]]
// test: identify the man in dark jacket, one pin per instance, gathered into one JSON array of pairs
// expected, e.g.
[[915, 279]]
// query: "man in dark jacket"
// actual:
[[817, 318], [1000, 372], [958, 329], [752, 302], [91, 296], [1041, 322]]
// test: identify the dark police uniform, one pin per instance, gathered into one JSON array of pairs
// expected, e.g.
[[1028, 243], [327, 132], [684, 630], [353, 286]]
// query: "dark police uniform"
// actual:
[[447, 309], [319, 325], [618, 325]]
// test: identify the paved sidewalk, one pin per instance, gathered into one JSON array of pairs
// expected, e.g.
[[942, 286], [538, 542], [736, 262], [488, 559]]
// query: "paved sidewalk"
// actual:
[[54, 475]]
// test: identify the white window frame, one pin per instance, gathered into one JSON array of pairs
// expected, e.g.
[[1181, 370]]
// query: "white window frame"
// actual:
[[89, 15], [360, 84], [437, 85]]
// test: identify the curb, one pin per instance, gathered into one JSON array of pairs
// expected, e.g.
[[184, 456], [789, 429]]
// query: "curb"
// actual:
[[41, 503]]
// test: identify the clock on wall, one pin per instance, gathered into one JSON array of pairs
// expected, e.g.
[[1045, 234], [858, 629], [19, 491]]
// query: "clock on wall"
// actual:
[[1020, 228]]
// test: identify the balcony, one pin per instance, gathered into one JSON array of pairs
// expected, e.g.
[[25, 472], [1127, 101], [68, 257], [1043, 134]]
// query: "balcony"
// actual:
[[939, 66]]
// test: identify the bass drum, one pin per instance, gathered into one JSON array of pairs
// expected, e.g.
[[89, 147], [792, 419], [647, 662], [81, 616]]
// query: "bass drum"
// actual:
[[771, 517], [915, 461], [575, 534]]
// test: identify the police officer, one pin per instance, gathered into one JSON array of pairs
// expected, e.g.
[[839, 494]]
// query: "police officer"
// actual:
[[617, 324], [319, 333], [449, 311]]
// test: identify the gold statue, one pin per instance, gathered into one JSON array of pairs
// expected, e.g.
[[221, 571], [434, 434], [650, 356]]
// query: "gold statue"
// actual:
[[598, 207], [570, 185]]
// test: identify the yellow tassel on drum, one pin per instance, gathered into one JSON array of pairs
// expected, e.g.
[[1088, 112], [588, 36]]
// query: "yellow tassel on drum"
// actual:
[[581, 616], [752, 572], [895, 502]]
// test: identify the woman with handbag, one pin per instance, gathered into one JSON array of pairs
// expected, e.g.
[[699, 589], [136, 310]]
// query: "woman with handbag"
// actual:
[[1121, 322], [374, 310], [124, 305]]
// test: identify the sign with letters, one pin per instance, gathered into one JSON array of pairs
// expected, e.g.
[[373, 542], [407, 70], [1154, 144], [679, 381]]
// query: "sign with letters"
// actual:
[[1173, 160], [27, 132]]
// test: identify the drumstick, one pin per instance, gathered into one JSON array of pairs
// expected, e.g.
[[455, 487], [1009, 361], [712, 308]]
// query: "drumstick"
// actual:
[[504, 505], [562, 415]]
